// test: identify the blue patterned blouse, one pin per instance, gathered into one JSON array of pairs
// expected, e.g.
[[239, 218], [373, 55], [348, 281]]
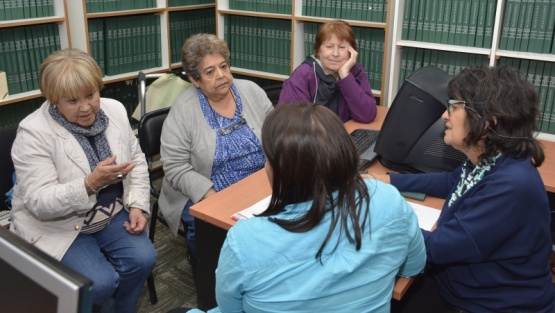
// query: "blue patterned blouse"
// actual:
[[238, 150]]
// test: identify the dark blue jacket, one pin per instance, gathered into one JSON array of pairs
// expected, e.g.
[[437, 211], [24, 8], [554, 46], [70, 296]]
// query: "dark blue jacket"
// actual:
[[490, 249]]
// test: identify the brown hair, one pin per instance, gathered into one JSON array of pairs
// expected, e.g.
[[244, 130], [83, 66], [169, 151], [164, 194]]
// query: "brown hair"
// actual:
[[507, 110], [312, 156], [339, 28]]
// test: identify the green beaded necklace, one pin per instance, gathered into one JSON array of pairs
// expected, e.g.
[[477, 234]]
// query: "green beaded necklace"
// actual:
[[467, 182]]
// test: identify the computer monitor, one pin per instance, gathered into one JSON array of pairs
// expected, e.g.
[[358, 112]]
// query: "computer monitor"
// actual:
[[411, 138], [32, 281]]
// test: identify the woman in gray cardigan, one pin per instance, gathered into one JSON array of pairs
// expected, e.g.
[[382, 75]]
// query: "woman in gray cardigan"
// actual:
[[211, 137]]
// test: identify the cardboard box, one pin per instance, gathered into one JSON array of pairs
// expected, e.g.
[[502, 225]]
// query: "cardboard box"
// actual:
[[3, 86]]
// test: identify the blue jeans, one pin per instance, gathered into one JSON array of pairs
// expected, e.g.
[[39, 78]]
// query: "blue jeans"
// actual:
[[189, 225], [116, 261]]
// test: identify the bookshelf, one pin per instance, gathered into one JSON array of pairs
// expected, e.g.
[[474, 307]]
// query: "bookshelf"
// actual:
[[137, 36], [293, 24], [29, 34], [453, 34], [177, 20]]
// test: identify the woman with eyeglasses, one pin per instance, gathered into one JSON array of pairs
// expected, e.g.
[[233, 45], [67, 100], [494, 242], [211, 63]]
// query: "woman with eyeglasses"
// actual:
[[490, 249], [211, 137]]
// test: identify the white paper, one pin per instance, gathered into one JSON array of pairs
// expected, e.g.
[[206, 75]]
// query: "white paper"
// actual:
[[256, 208], [427, 216]]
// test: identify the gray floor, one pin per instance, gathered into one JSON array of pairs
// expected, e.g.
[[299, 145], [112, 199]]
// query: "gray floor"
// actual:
[[172, 275]]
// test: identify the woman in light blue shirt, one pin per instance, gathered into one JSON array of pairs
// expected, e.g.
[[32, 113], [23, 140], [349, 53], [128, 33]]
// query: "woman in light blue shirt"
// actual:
[[329, 240]]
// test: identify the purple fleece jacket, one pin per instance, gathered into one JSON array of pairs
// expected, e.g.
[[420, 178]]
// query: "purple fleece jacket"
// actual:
[[355, 100]]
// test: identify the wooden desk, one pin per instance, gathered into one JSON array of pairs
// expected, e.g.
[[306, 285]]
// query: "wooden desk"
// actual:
[[213, 216], [213, 219]]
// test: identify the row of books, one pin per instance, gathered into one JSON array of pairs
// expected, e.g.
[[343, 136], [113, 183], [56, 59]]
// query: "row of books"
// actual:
[[454, 22], [451, 62], [360, 10], [370, 47], [20, 9], [542, 76], [528, 25], [96, 6], [260, 44], [126, 44], [183, 24], [22, 50], [178, 3], [267, 6]]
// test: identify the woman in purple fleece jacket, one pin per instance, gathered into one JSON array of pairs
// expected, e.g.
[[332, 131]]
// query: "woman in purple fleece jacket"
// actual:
[[332, 77]]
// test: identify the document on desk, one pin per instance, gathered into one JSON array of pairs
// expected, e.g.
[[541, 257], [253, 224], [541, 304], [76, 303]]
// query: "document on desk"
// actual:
[[256, 208], [427, 216]]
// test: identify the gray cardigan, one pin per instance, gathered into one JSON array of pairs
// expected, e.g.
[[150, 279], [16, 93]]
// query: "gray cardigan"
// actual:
[[189, 144]]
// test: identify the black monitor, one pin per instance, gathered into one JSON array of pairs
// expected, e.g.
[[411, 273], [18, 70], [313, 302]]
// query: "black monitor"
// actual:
[[32, 281], [411, 138]]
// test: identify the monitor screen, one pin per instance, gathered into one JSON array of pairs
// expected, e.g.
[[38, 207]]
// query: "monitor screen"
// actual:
[[32, 281], [411, 138]]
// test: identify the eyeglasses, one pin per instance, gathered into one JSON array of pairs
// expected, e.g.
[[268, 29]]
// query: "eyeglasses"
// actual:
[[453, 105], [229, 129]]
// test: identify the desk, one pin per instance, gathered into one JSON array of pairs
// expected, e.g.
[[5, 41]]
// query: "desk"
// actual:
[[213, 216]]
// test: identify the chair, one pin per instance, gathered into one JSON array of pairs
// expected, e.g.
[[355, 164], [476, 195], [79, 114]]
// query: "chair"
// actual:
[[7, 138], [149, 131], [273, 92]]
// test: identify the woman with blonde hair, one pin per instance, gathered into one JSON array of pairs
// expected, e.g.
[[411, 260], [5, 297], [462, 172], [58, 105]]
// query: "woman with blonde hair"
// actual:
[[82, 191]]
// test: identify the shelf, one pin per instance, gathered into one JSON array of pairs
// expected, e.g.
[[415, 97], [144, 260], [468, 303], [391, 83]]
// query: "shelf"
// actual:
[[259, 74], [126, 13], [32, 21], [351, 22], [28, 95], [442, 47], [255, 14]]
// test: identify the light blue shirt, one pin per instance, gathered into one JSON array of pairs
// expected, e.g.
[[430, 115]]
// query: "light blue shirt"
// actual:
[[264, 268]]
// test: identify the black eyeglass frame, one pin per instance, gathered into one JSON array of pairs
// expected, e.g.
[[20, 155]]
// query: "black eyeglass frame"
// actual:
[[233, 126]]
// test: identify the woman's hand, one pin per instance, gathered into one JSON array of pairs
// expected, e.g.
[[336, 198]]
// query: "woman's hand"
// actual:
[[381, 177], [348, 65], [136, 223], [105, 173]]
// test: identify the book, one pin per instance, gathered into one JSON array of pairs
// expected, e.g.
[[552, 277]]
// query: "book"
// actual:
[[445, 24], [490, 18], [472, 24], [480, 24], [528, 24], [427, 216]]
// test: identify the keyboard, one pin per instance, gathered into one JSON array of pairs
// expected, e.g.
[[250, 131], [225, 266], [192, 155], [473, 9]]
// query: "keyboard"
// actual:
[[365, 140]]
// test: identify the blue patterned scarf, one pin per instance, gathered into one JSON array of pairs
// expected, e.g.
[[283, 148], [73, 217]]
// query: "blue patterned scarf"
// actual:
[[96, 131]]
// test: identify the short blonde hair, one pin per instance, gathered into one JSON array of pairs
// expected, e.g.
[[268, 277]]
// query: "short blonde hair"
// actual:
[[67, 73]]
